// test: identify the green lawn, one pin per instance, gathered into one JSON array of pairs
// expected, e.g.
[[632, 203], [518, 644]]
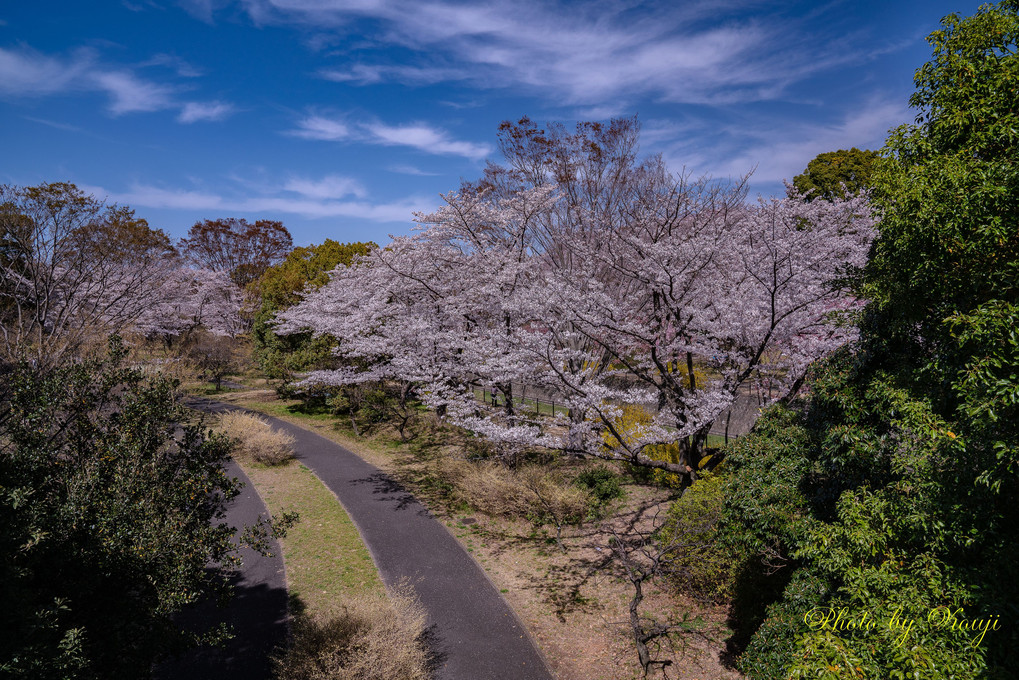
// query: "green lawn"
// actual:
[[325, 558]]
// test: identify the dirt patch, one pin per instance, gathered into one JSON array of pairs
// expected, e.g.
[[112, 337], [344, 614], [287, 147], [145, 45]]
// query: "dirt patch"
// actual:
[[576, 603]]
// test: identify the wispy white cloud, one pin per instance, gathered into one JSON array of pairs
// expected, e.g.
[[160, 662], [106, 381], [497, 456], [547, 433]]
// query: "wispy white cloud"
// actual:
[[140, 6], [411, 170], [148, 196], [782, 153], [330, 186], [27, 73], [202, 9], [196, 111], [366, 74], [421, 136], [181, 67], [586, 55], [130, 93], [54, 124], [772, 148], [425, 138], [321, 128]]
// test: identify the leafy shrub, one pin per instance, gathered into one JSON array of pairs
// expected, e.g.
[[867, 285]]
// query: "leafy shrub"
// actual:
[[109, 522], [374, 638], [256, 439], [367, 404], [603, 484], [770, 650], [700, 565], [801, 512], [764, 501]]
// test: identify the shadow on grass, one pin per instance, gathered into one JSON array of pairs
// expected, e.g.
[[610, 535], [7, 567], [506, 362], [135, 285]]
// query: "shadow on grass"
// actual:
[[312, 410]]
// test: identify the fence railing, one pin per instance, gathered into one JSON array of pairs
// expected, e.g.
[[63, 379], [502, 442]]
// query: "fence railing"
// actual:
[[536, 404], [718, 435]]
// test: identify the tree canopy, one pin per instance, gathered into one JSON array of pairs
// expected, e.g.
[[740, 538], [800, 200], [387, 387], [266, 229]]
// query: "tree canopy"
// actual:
[[237, 247], [837, 174], [598, 279], [896, 490], [72, 268], [305, 269]]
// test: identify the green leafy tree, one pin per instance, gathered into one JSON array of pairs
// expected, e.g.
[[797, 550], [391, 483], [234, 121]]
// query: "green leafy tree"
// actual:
[[112, 521], [837, 174], [280, 287], [900, 497]]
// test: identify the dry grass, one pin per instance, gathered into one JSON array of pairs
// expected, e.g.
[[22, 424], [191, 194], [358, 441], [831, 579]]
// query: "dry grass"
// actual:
[[373, 638], [531, 491], [256, 439]]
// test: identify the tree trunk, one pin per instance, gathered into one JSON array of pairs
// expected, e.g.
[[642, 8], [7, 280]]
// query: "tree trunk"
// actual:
[[507, 391], [638, 630]]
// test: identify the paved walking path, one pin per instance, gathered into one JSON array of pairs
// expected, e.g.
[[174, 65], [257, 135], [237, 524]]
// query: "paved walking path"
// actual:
[[476, 635], [257, 613]]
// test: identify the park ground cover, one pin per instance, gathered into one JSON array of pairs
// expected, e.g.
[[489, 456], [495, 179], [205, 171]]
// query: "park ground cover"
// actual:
[[574, 603]]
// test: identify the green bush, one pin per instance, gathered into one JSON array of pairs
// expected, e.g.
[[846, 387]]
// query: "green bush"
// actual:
[[764, 498], [700, 565], [111, 521], [604, 485], [779, 626]]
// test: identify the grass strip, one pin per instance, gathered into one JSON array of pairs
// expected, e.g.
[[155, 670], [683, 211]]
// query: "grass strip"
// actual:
[[326, 560]]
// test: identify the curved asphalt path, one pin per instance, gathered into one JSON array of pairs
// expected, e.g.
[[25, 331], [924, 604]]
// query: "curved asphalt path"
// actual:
[[473, 632], [257, 612]]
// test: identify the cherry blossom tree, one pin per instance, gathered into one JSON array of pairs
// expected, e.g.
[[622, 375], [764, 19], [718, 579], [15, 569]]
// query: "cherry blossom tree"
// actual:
[[75, 270], [602, 282], [438, 308], [189, 299]]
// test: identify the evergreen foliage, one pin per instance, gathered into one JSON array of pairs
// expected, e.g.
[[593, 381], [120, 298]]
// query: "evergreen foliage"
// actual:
[[280, 287], [112, 521], [894, 494], [837, 174]]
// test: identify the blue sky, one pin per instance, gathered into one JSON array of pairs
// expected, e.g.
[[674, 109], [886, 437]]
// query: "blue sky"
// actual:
[[342, 118]]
